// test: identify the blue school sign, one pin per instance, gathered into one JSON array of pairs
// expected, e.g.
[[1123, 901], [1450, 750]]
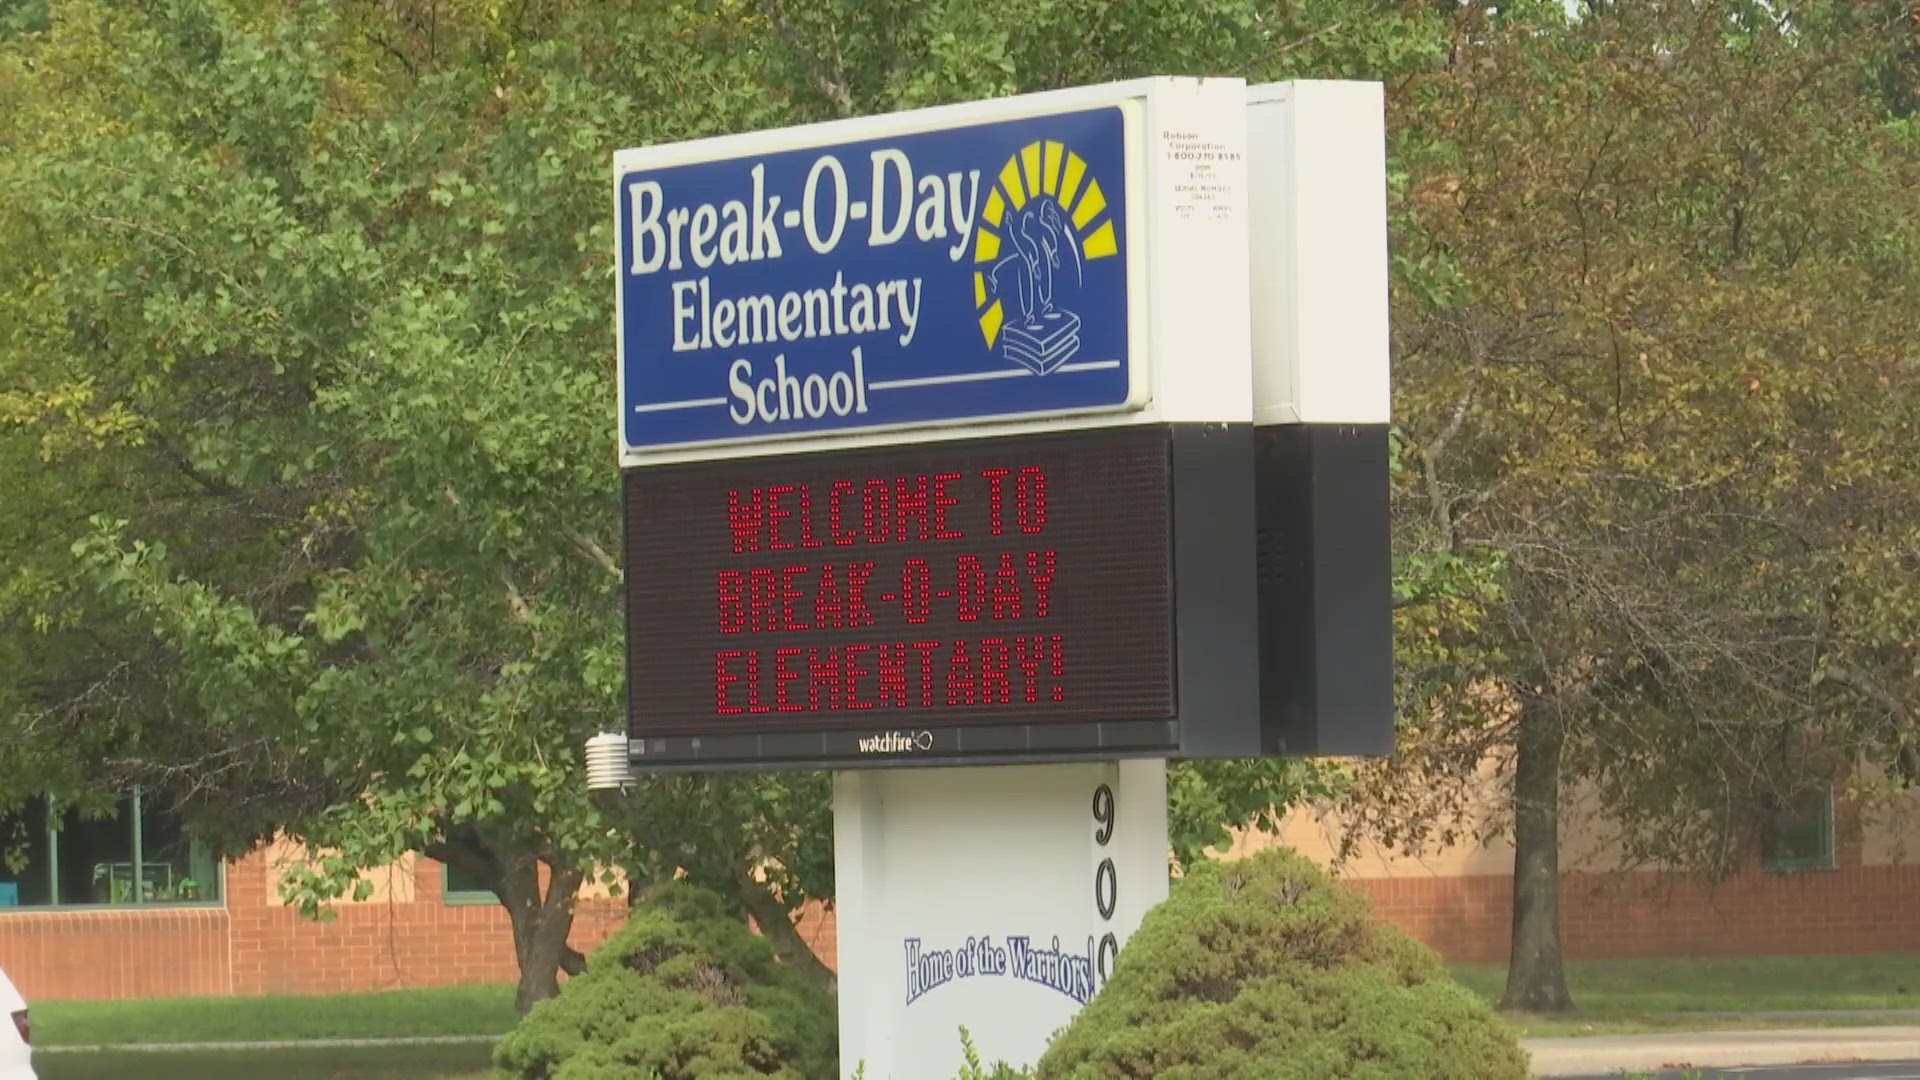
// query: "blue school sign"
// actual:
[[971, 273]]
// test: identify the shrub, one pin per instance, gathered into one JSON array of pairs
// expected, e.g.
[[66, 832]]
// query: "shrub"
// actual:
[[1267, 968], [684, 991]]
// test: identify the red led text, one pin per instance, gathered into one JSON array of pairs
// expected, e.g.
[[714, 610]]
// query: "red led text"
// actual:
[[928, 590], [920, 508], [841, 596], [1018, 670]]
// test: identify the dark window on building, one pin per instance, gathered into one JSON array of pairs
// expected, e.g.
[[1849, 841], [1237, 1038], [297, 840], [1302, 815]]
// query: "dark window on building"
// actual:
[[1800, 831], [459, 887], [130, 855]]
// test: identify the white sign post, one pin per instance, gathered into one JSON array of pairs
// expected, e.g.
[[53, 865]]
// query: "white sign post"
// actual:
[[995, 898]]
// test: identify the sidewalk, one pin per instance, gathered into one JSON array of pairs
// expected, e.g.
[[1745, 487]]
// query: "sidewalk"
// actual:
[[1580, 1055], [265, 1044], [1595, 1054]]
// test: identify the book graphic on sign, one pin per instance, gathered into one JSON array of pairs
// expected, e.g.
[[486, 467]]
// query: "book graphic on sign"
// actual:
[[1044, 219], [1043, 342]]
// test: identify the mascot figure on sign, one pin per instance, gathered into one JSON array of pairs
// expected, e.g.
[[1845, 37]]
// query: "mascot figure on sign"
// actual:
[[1045, 336]]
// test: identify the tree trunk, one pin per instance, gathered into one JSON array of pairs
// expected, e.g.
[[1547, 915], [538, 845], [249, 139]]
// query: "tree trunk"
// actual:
[[540, 923], [1536, 975], [776, 923], [540, 927]]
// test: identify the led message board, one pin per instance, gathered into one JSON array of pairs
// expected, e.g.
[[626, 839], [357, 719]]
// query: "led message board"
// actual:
[[1009, 597]]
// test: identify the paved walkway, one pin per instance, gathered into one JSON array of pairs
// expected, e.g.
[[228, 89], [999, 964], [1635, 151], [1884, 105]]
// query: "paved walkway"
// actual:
[[1590, 1054], [271, 1044], [1859, 1070], [1815, 1014], [1583, 1055]]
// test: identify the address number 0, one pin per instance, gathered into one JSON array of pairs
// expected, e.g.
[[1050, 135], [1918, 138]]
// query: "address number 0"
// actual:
[[1106, 880]]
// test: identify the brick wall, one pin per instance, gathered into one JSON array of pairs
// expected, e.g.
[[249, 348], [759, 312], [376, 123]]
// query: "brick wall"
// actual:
[[821, 932], [381, 946], [1604, 916], [116, 954], [257, 945], [1852, 909]]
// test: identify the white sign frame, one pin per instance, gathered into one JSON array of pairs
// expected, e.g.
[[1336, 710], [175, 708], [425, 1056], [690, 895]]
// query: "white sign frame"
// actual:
[[1188, 323]]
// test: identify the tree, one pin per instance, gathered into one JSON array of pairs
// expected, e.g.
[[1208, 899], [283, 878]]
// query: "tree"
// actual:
[[311, 322], [1897, 66], [1658, 426], [324, 347]]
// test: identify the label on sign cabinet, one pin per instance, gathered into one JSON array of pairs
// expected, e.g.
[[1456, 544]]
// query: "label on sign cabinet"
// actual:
[[996, 581], [971, 273]]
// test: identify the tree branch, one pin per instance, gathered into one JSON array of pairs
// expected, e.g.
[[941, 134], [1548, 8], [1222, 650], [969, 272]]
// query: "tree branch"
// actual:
[[595, 553], [1907, 757], [831, 81], [516, 604], [185, 467], [776, 922], [1430, 455]]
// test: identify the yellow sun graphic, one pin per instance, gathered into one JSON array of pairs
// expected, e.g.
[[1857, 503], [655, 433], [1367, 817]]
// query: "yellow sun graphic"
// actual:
[[1039, 170]]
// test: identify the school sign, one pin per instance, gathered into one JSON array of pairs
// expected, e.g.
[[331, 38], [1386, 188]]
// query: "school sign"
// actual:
[[992, 455]]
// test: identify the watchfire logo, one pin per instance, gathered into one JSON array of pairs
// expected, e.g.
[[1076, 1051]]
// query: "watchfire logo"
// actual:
[[897, 742]]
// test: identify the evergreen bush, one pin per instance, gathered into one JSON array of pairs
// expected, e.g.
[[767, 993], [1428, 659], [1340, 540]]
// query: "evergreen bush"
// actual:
[[1267, 968], [684, 991]]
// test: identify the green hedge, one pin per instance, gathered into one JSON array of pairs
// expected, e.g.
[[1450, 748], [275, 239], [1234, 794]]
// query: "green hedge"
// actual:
[[1266, 968], [684, 991]]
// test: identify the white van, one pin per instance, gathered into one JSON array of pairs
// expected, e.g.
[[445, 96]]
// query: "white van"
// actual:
[[16, 1050]]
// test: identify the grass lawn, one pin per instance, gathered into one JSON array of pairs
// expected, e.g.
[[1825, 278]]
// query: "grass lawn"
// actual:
[[1617, 997], [452, 1010], [453, 1062]]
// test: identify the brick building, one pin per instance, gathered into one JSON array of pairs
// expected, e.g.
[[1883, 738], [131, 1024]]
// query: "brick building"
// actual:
[[72, 927], [239, 938], [1829, 882]]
